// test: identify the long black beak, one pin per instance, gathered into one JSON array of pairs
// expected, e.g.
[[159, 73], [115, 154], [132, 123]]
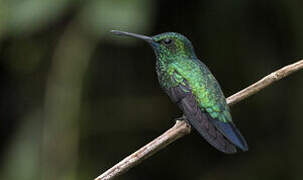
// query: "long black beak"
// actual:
[[145, 38]]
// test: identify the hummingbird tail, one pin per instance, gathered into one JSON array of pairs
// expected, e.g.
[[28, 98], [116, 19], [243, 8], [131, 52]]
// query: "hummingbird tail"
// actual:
[[230, 131]]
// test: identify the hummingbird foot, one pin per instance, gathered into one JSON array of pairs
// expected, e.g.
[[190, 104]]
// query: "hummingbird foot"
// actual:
[[182, 118]]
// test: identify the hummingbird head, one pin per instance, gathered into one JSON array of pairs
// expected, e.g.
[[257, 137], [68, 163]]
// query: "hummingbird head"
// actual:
[[166, 45]]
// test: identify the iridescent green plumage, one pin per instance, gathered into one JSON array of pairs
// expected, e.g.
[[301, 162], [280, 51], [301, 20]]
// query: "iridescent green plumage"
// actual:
[[191, 85]]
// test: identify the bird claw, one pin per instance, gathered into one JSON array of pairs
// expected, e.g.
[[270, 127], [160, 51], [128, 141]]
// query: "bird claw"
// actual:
[[182, 118]]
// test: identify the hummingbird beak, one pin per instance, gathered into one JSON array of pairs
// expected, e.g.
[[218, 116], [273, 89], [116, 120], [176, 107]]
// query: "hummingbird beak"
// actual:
[[123, 33]]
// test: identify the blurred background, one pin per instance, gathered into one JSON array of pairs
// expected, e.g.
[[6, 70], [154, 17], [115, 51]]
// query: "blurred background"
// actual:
[[76, 99]]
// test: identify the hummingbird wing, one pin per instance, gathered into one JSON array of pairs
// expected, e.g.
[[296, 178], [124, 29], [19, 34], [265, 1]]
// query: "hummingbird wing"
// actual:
[[200, 120], [222, 135], [214, 102]]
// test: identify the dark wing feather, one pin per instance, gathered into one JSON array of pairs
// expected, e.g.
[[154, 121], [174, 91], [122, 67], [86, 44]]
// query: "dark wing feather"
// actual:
[[199, 120]]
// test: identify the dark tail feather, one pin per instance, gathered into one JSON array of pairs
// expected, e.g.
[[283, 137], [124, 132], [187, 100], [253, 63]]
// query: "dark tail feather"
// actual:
[[201, 122], [230, 131]]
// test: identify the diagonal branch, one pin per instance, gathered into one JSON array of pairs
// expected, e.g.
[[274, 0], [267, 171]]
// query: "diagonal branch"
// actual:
[[181, 128], [264, 82]]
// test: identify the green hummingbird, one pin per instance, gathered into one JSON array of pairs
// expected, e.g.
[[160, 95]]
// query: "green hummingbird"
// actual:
[[190, 84]]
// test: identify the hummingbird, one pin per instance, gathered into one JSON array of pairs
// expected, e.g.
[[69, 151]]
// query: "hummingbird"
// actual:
[[190, 84]]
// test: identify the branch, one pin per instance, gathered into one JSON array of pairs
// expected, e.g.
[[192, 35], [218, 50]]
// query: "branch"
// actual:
[[264, 82], [181, 128]]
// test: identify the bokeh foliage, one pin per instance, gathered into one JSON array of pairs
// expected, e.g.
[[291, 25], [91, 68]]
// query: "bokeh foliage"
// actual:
[[75, 99]]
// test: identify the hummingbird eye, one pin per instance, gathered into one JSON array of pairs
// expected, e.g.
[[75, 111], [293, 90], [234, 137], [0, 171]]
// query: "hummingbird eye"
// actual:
[[167, 41]]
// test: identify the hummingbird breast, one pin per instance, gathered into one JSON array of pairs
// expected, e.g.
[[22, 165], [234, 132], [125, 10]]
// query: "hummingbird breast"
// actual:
[[163, 75]]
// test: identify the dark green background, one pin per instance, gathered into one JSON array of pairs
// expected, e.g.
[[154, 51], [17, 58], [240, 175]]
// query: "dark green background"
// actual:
[[76, 99]]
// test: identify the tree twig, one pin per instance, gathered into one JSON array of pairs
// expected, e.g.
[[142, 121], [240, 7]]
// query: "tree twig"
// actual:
[[181, 128], [264, 82]]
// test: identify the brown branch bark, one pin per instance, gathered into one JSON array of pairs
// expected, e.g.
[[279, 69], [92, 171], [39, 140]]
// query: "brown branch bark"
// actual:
[[181, 128], [264, 82]]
